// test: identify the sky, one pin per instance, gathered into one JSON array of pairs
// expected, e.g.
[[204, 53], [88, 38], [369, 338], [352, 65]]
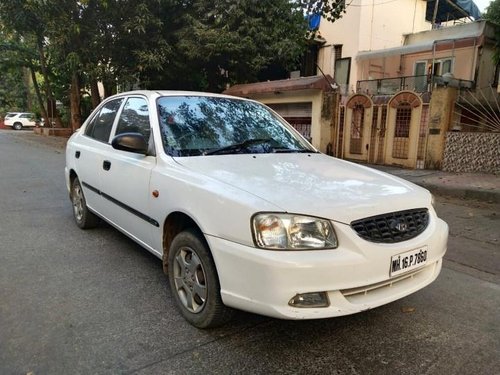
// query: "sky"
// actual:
[[482, 4]]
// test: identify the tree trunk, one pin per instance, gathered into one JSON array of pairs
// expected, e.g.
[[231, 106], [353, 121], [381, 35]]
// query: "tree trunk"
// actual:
[[76, 116], [94, 93], [109, 85], [26, 79], [48, 90], [39, 97]]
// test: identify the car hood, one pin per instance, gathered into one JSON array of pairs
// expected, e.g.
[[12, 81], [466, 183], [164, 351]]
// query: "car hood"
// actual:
[[312, 184]]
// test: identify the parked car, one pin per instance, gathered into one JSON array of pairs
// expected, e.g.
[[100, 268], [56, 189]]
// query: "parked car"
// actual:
[[20, 120], [245, 213]]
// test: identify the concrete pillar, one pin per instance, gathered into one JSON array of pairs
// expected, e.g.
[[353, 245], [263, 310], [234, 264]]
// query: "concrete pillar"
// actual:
[[441, 109]]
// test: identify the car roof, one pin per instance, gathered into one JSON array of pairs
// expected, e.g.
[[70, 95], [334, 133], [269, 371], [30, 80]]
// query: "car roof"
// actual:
[[156, 93]]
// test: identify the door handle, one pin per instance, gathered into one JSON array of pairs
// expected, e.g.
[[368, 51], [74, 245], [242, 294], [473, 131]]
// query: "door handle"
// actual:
[[106, 165]]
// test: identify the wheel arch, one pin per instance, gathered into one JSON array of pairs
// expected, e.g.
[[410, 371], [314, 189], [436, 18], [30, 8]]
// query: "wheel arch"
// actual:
[[72, 175], [175, 223]]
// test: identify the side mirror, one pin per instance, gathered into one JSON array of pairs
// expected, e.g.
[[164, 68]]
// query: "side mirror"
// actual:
[[131, 142]]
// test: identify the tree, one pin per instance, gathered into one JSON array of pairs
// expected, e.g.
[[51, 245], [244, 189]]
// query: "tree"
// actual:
[[14, 93], [24, 19], [331, 10], [493, 14], [227, 41], [180, 44]]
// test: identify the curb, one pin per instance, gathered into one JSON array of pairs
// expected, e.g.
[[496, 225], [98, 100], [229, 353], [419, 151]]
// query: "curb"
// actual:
[[489, 196]]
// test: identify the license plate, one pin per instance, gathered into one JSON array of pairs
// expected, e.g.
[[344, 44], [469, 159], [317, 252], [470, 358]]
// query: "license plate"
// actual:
[[408, 261]]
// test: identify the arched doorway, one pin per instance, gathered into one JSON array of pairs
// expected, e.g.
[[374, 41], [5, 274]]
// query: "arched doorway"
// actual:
[[403, 128], [357, 127]]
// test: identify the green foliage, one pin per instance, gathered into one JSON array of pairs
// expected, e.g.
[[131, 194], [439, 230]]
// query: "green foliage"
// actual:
[[15, 55], [229, 41], [493, 14], [161, 44], [331, 10]]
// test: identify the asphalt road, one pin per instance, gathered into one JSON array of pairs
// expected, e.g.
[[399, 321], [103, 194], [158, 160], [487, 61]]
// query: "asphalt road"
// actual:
[[94, 302]]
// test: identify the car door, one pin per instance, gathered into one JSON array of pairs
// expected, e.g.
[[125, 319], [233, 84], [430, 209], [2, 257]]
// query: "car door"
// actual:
[[89, 152], [125, 176]]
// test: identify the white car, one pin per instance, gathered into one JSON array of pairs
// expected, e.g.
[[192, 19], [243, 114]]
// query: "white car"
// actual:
[[20, 120], [245, 213]]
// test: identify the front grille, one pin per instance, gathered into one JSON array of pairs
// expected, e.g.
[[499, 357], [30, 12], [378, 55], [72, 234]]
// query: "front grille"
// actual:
[[392, 227]]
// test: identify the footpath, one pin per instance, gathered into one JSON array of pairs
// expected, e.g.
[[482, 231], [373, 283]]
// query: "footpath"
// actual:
[[477, 186]]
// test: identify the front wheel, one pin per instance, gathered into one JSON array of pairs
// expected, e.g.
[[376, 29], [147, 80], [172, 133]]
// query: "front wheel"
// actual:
[[18, 126], [83, 217], [194, 281]]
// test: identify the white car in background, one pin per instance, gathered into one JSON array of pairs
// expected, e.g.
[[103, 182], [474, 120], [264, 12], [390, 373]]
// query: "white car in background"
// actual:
[[245, 213], [20, 120]]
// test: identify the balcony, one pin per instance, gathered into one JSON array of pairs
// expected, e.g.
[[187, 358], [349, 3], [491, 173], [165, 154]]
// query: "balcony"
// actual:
[[419, 84]]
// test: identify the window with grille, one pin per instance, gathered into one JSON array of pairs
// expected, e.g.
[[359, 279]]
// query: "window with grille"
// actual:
[[301, 124], [402, 131], [358, 116], [381, 136], [337, 50]]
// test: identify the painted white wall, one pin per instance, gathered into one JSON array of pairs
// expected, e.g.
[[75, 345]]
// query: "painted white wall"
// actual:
[[370, 25]]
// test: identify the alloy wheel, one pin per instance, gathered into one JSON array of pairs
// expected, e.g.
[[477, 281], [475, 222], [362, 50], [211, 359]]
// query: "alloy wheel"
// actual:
[[78, 202], [190, 280]]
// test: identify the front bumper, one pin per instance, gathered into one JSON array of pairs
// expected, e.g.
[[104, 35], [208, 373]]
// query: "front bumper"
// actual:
[[355, 276]]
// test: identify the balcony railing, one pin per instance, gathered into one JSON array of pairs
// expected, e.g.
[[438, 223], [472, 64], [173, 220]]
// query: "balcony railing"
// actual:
[[390, 86]]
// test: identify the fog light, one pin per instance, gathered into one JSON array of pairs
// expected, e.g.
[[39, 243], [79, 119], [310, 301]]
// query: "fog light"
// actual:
[[317, 299]]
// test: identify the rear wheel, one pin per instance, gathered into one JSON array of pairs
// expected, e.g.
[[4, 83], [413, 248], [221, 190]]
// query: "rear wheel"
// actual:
[[194, 281], [18, 126], [83, 217]]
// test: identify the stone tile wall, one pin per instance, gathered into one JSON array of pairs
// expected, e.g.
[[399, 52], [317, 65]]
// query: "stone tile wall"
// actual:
[[472, 152]]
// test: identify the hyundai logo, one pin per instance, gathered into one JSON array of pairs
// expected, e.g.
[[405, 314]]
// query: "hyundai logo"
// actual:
[[401, 227], [398, 226]]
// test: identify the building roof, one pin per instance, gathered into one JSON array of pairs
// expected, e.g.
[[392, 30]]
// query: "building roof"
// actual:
[[425, 40], [292, 84]]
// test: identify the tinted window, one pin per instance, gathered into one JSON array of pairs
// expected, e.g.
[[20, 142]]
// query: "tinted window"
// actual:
[[193, 125], [134, 118], [100, 126]]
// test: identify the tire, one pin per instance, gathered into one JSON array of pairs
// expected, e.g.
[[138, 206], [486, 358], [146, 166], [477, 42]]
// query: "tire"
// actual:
[[194, 281], [83, 217], [18, 126]]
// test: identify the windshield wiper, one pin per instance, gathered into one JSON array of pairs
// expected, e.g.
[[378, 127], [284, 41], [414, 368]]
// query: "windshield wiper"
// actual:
[[237, 146]]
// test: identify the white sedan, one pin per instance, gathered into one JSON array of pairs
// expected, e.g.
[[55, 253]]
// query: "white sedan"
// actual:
[[245, 213]]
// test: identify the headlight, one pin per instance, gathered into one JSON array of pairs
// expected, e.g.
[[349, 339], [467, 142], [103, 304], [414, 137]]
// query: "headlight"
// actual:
[[276, 231]]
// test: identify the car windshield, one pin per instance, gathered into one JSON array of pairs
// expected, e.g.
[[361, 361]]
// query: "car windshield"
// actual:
[[199, 125]]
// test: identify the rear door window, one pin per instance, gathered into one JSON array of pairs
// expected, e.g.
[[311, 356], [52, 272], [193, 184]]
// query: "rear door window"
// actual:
[[100, 126]]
